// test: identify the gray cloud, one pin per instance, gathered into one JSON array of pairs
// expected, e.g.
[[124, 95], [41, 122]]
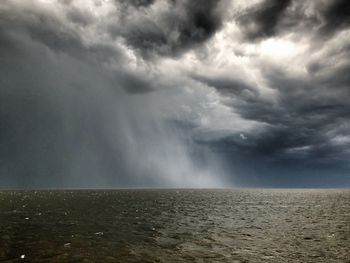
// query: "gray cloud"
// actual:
[[262, 20], [302, 138], [136, 3], [269, 18], [336, 16], [170, 30], [123, 95], [76, 114], [228, 86]]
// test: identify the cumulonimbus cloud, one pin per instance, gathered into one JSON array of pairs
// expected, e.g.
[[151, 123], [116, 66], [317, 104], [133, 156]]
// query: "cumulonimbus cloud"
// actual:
[[159, 93]]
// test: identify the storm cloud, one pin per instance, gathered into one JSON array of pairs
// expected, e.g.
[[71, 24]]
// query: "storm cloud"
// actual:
[[174, 93], [262, 20], [166, 28]]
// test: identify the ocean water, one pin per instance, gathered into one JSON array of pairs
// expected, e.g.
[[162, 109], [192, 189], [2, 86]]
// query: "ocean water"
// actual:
[[175, 226]]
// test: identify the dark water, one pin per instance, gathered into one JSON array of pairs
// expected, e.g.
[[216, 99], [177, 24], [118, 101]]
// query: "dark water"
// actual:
[[175, 226]]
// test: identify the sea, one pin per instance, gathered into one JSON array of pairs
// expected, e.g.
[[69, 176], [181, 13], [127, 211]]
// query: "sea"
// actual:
[[175, 225]]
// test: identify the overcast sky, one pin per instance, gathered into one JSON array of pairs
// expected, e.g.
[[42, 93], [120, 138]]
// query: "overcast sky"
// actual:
[[171, 93]]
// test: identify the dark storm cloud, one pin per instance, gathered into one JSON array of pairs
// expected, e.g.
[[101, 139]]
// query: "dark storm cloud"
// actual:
[[305, 107], [261, 20], [70, 116], [302, 129], [171, 31], [271, 18], [307, 126], [59, 38], [54, 33], [336, 16], [85, 97]]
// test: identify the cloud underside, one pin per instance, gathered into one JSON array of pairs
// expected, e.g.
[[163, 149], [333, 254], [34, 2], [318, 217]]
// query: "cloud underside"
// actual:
[[94, 91]]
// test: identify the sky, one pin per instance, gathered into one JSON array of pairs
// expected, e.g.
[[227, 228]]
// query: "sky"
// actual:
[[174, 93]]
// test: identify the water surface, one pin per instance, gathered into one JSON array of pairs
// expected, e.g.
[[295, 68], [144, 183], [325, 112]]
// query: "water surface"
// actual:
[[175, 226]]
